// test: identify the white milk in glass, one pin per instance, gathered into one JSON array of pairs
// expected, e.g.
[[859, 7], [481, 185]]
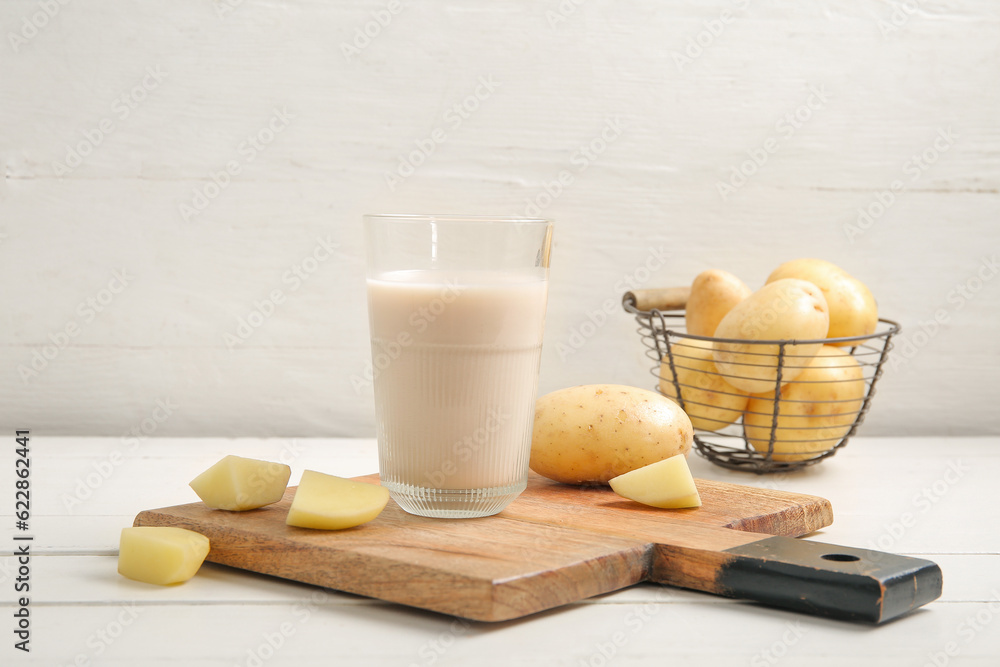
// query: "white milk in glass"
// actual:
[[456, 358]]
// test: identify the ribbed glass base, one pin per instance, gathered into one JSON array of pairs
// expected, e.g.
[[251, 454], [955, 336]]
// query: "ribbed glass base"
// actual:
[[453, 503]]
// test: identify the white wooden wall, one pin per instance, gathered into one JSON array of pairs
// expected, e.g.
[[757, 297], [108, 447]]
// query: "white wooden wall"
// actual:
[[169, 166]]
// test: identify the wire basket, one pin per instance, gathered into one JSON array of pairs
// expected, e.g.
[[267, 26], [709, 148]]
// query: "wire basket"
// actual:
[[768, 435]]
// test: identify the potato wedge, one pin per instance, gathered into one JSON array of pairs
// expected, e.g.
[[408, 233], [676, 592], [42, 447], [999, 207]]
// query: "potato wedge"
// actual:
[[237, 483], [161, 555], [326, 502], [667, 484]]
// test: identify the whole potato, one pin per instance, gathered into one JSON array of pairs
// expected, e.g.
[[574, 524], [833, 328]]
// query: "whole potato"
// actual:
[[783, 310], [709, 401], [591, 433], [713, 294], [853, 311], [815, 411]]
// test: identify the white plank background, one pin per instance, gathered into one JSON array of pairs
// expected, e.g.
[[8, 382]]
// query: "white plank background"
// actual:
[[891, 82]]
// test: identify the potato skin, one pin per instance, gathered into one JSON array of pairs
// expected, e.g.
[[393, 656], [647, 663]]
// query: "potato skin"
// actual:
[[815, 411], [783, 310], [853, 311], [713, 294], [709, 401], [591, 433]]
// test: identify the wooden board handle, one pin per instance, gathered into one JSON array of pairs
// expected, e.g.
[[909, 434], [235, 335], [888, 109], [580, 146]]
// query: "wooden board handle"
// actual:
[[667, 298], [806, 576]]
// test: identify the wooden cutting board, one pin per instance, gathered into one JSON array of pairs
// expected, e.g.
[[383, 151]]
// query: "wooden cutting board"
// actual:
[[558, 544]]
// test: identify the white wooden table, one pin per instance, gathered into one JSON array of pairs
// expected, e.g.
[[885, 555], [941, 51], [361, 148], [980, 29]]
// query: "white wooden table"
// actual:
[[933, 497]]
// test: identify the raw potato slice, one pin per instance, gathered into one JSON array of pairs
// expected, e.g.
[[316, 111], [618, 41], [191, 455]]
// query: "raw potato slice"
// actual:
[[667, 483], [237, 483], [694, 500], [326, 502], [160, 554]]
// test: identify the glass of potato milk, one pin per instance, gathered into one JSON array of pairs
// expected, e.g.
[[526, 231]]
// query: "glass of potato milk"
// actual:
[[456, 308]]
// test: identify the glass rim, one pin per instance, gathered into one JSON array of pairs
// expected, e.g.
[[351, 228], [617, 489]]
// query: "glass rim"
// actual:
[[452, 217]]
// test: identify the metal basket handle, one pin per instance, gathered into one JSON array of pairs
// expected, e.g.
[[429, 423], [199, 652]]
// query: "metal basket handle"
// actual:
[[662, 299]]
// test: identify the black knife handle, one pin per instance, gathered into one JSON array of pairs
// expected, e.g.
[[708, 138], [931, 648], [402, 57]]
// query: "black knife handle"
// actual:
[[828, 580]]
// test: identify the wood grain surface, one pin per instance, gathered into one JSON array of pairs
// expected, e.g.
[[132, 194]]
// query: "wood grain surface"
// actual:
[[554, 545]]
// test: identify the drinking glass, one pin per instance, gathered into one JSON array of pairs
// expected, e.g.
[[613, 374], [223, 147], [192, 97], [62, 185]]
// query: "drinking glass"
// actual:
[[456, 309]]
